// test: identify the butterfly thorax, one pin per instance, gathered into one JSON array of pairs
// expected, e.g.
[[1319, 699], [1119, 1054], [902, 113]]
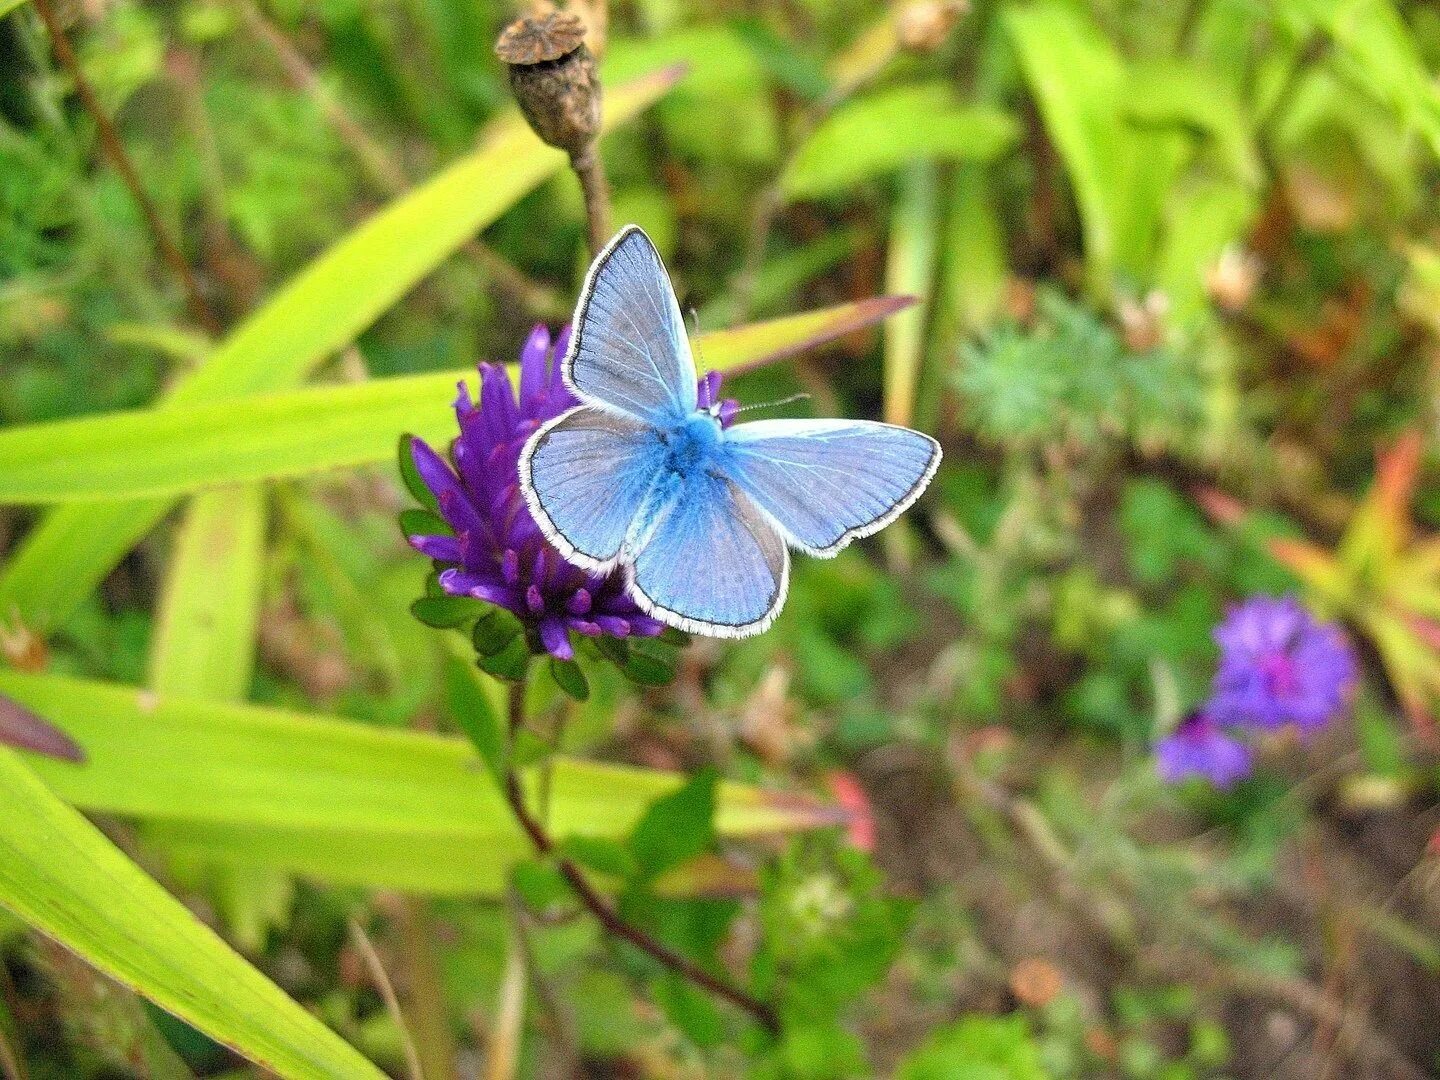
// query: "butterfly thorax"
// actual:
[[690, 444]]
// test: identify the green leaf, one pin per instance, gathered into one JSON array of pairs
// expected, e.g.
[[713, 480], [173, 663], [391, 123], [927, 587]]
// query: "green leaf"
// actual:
[[446, 612], [204, 644], [62, 560], [1120, 173], [7, 6], [976, 264], [601, 854], [1201, 221], [1375, 50], [677, 827], [910, 270], [176, 450], [647, 662], [510, 663], [322, 309], [1173, 93], [495, 631], [570, 678], [691, 1011], [338, 801], [415, 522], [540, 884], [983, 1047], [410, 475], [471, 707], [210, 607], [879, 133], [62, 876]]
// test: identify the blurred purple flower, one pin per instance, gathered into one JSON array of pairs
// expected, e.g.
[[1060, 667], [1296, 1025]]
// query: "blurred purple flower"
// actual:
[[1199, 748], [1279, 666], [498, 553]]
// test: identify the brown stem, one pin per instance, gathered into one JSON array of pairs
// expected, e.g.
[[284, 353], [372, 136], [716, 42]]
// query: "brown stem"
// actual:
[[562, 1024], [114, 151], [424, 983], [591, 171], [599, 907], [383, 985], [383, 170]]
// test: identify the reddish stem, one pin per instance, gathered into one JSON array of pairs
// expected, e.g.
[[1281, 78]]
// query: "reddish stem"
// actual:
[[606, 915]]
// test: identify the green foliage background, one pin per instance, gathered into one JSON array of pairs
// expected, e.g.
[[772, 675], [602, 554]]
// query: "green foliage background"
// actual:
[[1168, 258]]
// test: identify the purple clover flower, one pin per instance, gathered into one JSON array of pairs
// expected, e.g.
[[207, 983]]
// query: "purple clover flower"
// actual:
[[1280, 666], [498, 553], [1198, 747]]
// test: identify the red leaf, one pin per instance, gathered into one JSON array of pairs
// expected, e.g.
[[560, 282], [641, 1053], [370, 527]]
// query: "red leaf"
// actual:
[[22, 729]]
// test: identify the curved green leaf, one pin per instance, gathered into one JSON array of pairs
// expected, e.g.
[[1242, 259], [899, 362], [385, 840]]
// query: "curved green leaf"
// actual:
[[879, 133], [181, 449], [323, 308], [339, 801], [910, 267], [209, 613], [61, 875], [1121, 173]]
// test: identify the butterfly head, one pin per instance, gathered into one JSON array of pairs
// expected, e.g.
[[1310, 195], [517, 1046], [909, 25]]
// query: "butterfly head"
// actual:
[[709, 401]]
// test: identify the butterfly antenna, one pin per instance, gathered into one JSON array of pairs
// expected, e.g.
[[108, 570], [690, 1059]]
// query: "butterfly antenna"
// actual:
[[773, 404], [695, 335]]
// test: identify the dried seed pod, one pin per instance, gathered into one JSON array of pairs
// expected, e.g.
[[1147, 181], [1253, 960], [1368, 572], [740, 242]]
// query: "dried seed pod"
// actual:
[[553, 78], [924, 25], [1232, 280]]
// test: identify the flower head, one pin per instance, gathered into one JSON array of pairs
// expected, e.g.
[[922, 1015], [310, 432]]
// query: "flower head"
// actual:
[[1199, 748], [498, 553], [1279, 666]]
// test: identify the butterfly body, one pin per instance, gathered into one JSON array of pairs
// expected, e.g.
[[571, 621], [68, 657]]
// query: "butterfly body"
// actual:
[[648, 474]]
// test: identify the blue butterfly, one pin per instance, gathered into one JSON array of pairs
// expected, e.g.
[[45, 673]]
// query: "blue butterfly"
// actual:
[[642, 475]]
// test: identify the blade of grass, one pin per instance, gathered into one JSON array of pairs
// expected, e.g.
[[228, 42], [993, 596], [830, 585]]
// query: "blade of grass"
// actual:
[[177, 450], [204, 646], [976, 268], [1121, 174], [340, 801], [910, 269], [205, 634], [62, 876], [64, 558]]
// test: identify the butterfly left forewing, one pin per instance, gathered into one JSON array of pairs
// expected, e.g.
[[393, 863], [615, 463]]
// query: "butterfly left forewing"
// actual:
[[828, 482], [585, 476]]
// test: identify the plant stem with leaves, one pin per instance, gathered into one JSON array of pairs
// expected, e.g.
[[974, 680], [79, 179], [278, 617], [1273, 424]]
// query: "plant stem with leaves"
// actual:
[[114, 150], [598, 906]]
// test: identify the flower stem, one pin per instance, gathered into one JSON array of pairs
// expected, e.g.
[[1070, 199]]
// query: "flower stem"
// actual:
[[114, 150], [599, 907], [591, 171]]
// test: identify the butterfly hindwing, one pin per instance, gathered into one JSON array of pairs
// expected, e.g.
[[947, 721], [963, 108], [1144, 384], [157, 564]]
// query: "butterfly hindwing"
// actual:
[[629, 350], [711, 562], [585, 476], [827, 482]]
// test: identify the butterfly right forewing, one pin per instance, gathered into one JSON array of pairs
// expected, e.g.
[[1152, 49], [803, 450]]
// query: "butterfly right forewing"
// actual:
[[828, 482]]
